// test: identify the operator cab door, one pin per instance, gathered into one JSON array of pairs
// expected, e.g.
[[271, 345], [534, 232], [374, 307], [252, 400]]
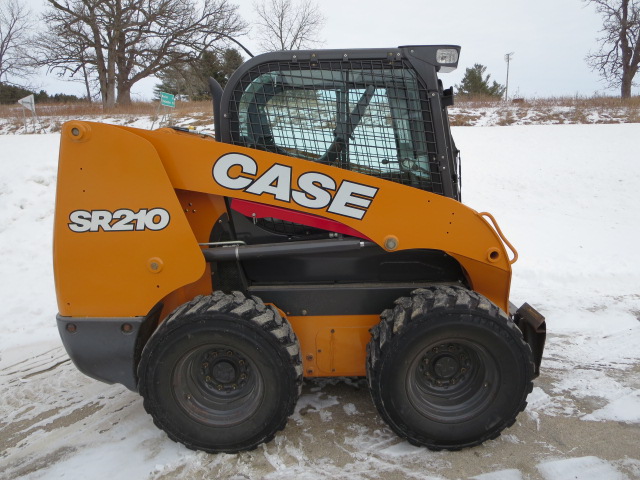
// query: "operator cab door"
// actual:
[[366, 116], [371, 116]]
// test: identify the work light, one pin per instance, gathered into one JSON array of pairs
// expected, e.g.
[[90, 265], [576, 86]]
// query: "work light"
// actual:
[[447, 55]]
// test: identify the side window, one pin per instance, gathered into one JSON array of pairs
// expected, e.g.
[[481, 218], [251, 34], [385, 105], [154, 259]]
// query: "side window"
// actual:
[[373, 144], [303, 121]]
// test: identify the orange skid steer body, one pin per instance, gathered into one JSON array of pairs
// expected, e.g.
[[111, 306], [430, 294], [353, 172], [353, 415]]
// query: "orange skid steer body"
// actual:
[[212, 275]]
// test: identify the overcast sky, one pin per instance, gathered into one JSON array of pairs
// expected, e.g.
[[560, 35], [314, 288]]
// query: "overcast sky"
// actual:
[[549, 38]]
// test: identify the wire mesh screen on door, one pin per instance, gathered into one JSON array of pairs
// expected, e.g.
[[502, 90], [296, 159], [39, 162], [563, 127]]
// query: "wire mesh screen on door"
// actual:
[[369, 116]]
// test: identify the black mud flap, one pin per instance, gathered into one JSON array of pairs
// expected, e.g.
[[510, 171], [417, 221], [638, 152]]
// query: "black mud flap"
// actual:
[[108, 349], [534, 330]]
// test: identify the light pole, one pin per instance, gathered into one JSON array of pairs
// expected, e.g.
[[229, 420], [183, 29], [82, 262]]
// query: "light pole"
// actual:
[[507, 58]]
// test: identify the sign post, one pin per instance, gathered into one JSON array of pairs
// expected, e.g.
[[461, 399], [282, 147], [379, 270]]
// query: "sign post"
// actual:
[[29, 103], [166, 100]]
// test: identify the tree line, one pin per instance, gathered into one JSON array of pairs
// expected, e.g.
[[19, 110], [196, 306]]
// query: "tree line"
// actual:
[[10, 94], [110, 45]]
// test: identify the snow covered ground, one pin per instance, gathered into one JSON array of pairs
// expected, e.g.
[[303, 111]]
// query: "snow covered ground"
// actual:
[[568, 198], [540, 113]]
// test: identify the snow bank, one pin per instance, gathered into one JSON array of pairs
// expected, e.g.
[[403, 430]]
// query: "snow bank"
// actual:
[[28, 166]]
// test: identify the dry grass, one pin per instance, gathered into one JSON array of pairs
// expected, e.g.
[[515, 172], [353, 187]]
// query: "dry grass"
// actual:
[[90, 109], [466, 112], [151, 108], [555, 110], [53, 115], [583, 102]]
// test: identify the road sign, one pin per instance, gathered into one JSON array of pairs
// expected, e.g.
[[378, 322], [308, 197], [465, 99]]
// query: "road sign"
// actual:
[[29, 103], [167, 100]]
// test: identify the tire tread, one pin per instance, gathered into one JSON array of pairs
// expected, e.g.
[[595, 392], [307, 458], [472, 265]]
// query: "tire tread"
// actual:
[[418, 307], [265, 317]]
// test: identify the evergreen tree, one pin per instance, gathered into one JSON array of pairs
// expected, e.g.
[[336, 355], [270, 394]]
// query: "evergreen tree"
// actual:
[[475, 83], [193, 81], [10, 94]]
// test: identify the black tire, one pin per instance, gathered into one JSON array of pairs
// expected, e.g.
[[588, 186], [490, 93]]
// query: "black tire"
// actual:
[[447, 369], [222, 373]]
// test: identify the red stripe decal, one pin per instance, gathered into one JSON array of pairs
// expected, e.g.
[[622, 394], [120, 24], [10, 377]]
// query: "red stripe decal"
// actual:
[[259, 210]]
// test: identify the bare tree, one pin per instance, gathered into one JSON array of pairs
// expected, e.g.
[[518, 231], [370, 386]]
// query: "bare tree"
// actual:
[[15, 24], [120, 42], [619, 55], [67, 54], [287, 24]]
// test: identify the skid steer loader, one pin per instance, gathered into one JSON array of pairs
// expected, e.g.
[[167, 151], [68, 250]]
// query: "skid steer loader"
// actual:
[[319, 234]]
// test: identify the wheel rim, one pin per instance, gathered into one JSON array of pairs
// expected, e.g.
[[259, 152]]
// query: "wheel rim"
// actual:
[[217, 385], [452, 381]]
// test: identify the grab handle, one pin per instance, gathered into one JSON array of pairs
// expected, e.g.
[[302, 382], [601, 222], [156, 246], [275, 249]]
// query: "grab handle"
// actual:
[[504, 239]]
